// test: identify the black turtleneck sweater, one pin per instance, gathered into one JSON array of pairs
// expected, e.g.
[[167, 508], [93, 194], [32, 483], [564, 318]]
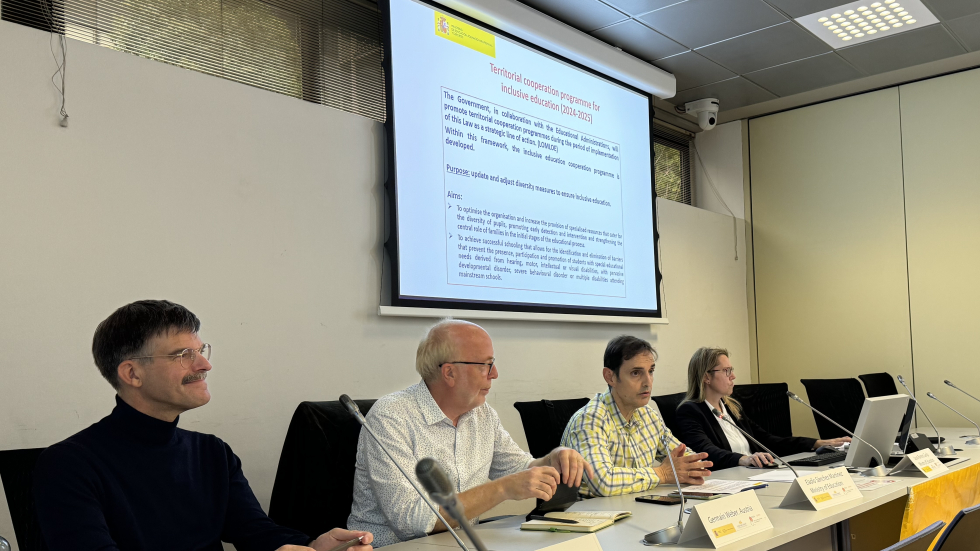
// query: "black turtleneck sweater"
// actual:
[[134, 483]]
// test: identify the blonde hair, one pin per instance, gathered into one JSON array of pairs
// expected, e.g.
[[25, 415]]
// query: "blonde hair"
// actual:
[[704, 360], [437, 347]]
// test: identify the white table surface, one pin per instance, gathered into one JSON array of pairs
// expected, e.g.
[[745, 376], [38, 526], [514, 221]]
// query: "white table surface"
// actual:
[[789, 523]]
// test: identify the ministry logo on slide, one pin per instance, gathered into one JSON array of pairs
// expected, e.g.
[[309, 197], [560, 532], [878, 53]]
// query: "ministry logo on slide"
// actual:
[[465, 34]]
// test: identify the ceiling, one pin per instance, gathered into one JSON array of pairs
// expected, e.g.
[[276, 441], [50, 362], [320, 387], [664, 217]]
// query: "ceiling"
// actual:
[[749, 52]]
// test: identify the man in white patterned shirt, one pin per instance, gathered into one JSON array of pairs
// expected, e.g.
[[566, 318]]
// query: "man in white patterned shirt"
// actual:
[[445, 416]]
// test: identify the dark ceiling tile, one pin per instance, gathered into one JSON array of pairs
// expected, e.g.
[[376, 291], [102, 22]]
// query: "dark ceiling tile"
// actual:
[[584, 15], [898, 51], [967, 29], [636, 7], [765, 48], [799, 8], [805, 75], [952, 9], [692, 70], [639, 40], [732, 93], [697, 23]]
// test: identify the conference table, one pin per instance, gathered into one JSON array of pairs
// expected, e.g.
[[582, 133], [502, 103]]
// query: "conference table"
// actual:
[[797, 527]]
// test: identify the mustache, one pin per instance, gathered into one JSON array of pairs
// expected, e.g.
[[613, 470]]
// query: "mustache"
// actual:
[[195, 377]]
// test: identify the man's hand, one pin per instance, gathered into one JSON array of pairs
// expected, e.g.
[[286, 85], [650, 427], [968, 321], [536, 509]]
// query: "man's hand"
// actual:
[[835, 442], [571, 465], [758, 459], [337, 536], [690, 468], [539, 482]]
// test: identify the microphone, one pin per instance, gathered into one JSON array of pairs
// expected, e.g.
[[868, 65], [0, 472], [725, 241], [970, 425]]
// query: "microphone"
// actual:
[[961, 390], [752, 438], [873, 471], [974, 440], [671, 534], [943, 449], [436, 482], [356, 413]]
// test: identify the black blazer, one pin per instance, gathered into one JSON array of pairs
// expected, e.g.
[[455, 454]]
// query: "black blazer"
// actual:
[[699, 429]]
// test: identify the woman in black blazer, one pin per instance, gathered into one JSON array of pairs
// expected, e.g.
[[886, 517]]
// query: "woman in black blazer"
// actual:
[[710, 382]]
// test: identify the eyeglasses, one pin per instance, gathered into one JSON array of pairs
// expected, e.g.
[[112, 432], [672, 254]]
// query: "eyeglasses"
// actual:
[[187, 357], [728, 372], [486, 368]]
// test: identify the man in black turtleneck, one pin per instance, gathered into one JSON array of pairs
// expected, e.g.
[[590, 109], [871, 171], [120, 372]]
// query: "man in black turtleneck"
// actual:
[[134, 481]]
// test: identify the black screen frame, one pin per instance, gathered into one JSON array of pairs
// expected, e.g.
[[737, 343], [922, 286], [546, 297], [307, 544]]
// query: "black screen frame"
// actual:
[[391, 245]]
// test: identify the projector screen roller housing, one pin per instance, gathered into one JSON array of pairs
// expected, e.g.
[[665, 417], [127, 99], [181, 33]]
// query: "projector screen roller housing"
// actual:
[[519, 181]]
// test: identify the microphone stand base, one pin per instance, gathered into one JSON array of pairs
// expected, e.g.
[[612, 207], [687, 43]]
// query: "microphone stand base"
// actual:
[[666, 536], [879, 471], [945, 451], [973, 440]]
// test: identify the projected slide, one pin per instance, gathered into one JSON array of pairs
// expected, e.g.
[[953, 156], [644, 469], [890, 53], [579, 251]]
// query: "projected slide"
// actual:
[[520, 179]]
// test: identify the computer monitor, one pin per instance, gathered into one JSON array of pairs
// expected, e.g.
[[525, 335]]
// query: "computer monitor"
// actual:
[[878, 424], [906, 426]]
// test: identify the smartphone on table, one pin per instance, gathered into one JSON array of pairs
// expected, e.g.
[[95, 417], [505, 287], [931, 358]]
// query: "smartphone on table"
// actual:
[[659, 500]]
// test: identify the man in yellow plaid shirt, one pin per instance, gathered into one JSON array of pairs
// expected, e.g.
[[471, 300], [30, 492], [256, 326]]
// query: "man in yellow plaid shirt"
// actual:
[[621, 436]]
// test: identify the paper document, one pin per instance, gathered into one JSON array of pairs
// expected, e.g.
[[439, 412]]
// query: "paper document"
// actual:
[[724, 486], [779, 475], [874, 483]]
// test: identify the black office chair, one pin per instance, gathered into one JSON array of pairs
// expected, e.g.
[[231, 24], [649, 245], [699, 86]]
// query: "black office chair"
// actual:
[[839, 399], [963, 532], [314, 487], [544, 422], [920, 541], [17, 475], [768, 405], [667, 404], [878, 384]]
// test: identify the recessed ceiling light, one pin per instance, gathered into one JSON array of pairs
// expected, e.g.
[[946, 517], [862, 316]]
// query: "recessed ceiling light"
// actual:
[[852, 22]]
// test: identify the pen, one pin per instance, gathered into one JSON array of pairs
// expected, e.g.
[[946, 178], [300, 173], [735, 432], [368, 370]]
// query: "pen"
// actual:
[[552, 519], [347, 544]]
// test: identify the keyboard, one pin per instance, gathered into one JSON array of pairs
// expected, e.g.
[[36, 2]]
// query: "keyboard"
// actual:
[[819, 460]]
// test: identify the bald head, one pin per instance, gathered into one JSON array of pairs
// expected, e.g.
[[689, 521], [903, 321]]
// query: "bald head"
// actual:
[[443, 342]]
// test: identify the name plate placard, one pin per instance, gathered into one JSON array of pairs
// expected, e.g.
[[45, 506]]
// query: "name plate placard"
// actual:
[[727, 519], [823, 489], [922, 461]]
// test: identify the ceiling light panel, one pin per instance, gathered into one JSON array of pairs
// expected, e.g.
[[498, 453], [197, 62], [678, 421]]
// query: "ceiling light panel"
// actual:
[[859, 22]]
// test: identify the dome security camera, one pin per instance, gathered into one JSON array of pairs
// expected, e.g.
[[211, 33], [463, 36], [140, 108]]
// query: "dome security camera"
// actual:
[[706, 110]]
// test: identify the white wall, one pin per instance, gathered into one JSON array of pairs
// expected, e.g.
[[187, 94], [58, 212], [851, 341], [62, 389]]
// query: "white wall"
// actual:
[[262, 214], [721, 155]]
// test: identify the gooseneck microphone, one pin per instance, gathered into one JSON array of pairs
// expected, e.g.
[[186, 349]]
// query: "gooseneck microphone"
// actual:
[[974, 440], [671, 534], [752, 438], [879, 470], [356, 413], [961, 390], [435, 481], [943, 449]]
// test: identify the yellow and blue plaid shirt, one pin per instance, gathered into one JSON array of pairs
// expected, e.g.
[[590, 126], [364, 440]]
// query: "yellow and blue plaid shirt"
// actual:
[[623, 454]]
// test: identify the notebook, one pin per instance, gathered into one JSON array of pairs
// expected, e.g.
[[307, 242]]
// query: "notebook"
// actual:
[[587, 521]]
